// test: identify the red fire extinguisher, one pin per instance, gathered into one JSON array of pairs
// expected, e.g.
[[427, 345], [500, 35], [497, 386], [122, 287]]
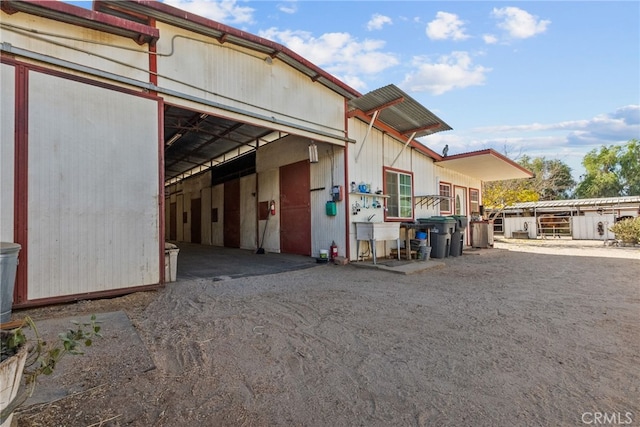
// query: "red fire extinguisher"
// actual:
[[272, 207], [333, 250]]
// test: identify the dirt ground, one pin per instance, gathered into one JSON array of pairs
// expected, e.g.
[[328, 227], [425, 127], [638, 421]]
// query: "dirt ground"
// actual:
[[527, 333]]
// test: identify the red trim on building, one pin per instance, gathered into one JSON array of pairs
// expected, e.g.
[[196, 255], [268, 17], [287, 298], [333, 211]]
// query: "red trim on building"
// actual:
[[161, 201], [490, 151], [347, 223], [153, 60], [85, 296], [70, 14], [183, 19], [393, 132], [21, 180]]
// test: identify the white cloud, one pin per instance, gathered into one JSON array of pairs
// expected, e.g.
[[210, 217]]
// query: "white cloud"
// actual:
[[490, 39], [225, 11], [378, 21], [619, 126], [446, 26], [289, 7], [340, 54], [454, 71], [519, 23]]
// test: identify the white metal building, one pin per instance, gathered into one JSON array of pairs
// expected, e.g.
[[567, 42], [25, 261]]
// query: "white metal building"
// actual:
[[138, 122], [580, 219]]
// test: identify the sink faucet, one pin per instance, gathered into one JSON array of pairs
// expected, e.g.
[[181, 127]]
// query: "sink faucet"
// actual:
[[370, 216]]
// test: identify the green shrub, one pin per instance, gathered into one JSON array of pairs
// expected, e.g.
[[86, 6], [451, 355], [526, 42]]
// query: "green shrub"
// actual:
[[627, 230]]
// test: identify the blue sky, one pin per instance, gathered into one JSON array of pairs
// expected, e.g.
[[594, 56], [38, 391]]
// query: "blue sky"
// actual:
[[545, 78]]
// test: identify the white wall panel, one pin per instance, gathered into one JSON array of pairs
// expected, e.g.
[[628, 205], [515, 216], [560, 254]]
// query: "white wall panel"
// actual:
[[205, 194], [217, 228], [520, 223], [180, 209], [586, 227], [93, 189], [325, 228], [7, 150], [269, 189], [115, 54], [248, 212], [241, 79]]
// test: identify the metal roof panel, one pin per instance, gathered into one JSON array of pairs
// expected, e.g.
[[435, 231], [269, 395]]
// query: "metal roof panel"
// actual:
[[405, 116]]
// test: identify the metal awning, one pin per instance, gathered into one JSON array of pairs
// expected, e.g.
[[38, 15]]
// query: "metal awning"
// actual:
[[399, 111], [583, 203], [486, 165]]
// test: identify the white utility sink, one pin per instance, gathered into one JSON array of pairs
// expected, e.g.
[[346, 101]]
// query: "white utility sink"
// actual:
[[377, 230]]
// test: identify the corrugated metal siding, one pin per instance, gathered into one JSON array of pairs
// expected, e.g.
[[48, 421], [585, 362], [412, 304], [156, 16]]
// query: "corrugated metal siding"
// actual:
[[205, 194], [102, 57], [179, 212], [586, 227], [325, 228], [269, 189], [217, 228], [512, 224], [248, 212], [368, 167], [7, 150], [240, 78], [92, 226]]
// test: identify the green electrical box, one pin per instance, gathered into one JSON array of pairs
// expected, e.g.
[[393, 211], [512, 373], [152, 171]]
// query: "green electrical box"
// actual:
[[331, 208]]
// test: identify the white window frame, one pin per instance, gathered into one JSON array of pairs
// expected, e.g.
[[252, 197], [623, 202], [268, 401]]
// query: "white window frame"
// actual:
[[402, 200]]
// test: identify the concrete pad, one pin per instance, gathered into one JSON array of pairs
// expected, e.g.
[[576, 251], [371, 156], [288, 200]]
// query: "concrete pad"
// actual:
[[400, 267], [76, 374]]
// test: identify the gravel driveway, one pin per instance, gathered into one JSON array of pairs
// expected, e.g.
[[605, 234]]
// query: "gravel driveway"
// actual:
[[503, 336]]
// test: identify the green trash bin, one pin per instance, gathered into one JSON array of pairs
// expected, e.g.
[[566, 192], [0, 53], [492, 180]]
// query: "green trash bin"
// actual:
[[440, 228]]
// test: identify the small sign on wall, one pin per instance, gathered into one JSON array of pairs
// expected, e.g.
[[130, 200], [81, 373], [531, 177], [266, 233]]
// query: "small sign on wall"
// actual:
[[263, 210]]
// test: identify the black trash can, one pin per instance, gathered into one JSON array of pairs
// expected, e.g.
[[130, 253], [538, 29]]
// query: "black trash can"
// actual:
[[457, 240], [440, 229], [456, 243]]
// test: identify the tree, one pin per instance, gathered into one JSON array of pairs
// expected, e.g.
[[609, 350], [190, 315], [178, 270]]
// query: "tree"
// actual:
[[552, 180], [611, 171], [630, 168]]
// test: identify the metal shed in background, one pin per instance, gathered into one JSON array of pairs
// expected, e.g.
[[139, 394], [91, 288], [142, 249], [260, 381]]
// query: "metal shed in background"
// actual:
[[580, 219]]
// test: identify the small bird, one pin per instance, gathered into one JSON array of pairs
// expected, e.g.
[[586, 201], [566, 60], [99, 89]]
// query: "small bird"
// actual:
[[445, 150]]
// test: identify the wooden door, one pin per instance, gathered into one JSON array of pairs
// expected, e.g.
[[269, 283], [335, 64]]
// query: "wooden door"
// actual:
[[232, 214], [196, 221], [295, 209]]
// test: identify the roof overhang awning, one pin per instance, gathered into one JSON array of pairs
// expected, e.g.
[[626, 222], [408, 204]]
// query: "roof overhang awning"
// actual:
[[486, 165], [399, 111]]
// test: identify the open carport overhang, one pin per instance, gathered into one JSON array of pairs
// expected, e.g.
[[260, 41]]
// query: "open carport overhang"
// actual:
[[486, 165]]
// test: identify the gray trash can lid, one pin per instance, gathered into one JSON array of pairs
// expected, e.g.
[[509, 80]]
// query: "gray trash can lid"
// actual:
[[9, 247]]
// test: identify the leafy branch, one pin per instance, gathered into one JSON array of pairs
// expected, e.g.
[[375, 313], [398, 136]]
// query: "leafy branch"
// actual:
[[43, 358]]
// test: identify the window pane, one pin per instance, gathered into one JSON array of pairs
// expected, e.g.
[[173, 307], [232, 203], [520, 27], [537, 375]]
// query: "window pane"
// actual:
[[392, 192], [399, 189], [474, 195], [406, 210], [445, 204]]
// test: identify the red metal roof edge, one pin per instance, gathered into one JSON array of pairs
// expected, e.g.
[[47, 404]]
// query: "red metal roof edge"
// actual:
[[490, 151], [83, 17], [275, 47], [396, 134]]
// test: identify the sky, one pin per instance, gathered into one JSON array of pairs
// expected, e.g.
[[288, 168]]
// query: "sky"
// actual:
[[552, 79]]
